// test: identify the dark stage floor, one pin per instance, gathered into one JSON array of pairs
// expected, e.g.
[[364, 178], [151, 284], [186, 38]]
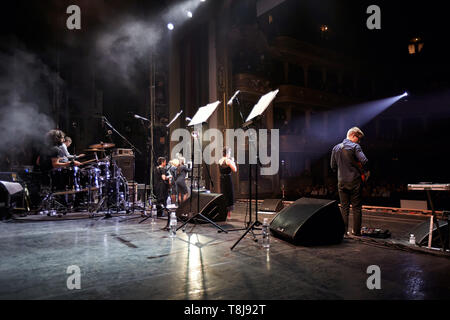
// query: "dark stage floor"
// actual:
[[127, 260]]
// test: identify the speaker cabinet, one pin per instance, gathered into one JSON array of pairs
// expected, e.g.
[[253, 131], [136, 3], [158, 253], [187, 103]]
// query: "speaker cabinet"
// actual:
[[11, 193], [271, 205], [126, 164], [309, 222], [212, 206], [422, 231]]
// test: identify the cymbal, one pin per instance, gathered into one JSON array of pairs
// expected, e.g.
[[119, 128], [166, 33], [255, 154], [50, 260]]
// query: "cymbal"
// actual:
[[102, 145], [95, 150]]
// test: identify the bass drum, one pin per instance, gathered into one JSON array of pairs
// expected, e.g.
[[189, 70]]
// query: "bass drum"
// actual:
[[65, 179]]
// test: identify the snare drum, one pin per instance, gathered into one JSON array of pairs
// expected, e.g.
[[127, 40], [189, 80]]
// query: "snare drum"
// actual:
[[64, 179]]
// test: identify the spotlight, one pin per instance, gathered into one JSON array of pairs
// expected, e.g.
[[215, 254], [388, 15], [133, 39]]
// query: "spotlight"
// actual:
[[170, 26], [202, 0], [189, 14], [405, 94]]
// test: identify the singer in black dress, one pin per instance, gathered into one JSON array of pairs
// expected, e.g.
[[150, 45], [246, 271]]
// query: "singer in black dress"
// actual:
[[180, 181], [226, 167]]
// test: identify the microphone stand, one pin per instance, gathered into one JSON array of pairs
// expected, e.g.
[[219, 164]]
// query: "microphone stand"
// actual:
[[118, 133], [115, 175], [249, 204], [149, 147]]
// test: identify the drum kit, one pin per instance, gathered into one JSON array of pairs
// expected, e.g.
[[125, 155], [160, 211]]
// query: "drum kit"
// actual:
[[93, 186]]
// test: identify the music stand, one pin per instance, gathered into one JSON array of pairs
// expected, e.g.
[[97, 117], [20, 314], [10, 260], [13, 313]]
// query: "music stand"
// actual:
[[252, 120], [200, 118]]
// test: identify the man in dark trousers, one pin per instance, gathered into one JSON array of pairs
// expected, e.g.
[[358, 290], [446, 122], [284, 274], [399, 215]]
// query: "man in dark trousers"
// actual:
[[161, 188], [348, 159]]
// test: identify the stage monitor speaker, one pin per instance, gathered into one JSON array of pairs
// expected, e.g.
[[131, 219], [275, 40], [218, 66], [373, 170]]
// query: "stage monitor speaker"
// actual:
[[212, 206], [11, 193], [422, 231], [271, 205], [309, 222], [126, 164]]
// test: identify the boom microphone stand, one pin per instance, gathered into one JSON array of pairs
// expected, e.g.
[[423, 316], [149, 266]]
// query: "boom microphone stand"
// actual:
[[115, 172], [230, 102]]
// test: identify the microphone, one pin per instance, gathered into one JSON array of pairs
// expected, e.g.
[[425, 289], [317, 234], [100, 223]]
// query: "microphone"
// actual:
[[232, 98], [139, 117]]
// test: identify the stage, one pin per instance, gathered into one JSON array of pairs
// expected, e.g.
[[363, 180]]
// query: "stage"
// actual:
[[122, 259]]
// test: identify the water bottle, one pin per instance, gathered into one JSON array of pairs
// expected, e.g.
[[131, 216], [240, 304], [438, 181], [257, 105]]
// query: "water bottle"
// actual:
[[154, 214], [173, 225], [412, 239], [265, 234]]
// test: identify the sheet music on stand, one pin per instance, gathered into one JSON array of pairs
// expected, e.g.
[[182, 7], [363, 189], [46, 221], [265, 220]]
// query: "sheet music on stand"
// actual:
[[262, 104], [204, 113]]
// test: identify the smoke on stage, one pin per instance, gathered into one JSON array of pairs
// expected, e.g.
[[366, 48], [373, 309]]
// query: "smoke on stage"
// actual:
[[25, 100]]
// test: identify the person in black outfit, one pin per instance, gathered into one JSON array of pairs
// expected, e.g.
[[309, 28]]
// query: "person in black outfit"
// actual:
[[173, 164], [180, 182], [226, 166], [161, 187], [51, 156], [348, 159]]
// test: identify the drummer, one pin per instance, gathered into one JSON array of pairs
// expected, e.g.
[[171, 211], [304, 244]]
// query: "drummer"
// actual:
[[64, 149], [51, 156]]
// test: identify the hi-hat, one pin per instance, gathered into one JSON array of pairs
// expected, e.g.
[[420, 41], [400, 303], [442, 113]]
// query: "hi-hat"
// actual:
[[102, 145]]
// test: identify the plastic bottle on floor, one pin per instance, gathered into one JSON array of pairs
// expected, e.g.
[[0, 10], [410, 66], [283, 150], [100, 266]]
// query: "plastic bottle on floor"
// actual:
[[265, 234], [173, 225], [412, 239]]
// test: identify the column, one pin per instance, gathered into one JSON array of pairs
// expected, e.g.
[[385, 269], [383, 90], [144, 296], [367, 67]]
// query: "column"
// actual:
[[213, 94]]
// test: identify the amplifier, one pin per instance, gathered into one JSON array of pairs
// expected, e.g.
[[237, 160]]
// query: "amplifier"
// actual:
[[9, 176], [126, 164], [123, 152]]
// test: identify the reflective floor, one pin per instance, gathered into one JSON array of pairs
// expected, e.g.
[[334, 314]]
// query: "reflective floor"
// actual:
[[122, 259]]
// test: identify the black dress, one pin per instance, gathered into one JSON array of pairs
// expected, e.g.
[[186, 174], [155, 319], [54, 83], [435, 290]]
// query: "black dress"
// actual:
[[226, 186], [181, 179]]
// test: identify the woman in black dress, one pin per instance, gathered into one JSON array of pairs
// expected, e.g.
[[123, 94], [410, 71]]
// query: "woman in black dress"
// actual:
[[226, 166], [182, 189]]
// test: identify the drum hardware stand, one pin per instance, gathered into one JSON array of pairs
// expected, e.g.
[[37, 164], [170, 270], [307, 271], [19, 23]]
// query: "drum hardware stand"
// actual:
[[49, 201]]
